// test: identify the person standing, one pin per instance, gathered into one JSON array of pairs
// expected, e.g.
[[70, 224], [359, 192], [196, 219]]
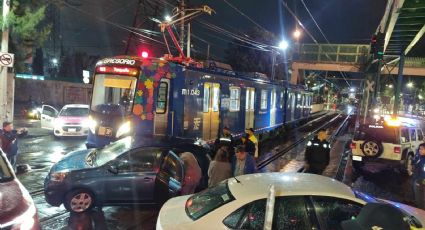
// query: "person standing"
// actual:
[[249, 145], [192, 173], [9, 142], [243, 163], [418, 176], [254, 140], [317, 153], [219, 169], [225, 139]]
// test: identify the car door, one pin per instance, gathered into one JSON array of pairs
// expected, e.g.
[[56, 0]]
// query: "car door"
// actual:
[[169, 179], [330, 211], [134, 180], [292, 212], [48, 115]]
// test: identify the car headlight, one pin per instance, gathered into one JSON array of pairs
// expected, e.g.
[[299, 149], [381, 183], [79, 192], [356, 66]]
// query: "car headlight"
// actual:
[[123, 129], [58, 176], [34, 111], [90, 123]]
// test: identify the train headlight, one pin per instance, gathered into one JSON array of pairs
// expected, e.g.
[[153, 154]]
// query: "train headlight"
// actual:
[[90, 123], [124, 129]]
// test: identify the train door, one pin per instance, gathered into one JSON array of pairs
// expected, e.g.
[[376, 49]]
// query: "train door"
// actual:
[[161, 110], [249, 108], [211, 112], [273, 108], [292, 103]]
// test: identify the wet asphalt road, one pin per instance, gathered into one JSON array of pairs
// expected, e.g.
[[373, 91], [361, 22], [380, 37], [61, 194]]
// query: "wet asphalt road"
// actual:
[[41, 150]]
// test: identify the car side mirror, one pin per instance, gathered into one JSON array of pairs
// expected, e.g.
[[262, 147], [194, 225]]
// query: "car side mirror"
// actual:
[[113, 168]]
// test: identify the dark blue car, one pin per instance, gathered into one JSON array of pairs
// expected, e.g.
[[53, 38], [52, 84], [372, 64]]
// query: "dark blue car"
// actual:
[[119, 174]]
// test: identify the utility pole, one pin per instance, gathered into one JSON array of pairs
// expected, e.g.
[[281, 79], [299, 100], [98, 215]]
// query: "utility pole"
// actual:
[[3, 70], [208, 51], [182, 14], [188, 40], [274, 54], [398, 88]]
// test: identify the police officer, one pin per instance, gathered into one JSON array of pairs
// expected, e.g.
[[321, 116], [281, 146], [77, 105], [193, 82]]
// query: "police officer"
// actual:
[[419, 176], [225, 139], [317, 153]]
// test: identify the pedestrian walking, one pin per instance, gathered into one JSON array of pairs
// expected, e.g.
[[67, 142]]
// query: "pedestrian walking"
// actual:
[[317, 153], [254, 140], [9, 141], [418, 176], [248, 144], [220, 168], [242, 162], [376, 216], [192, 173]]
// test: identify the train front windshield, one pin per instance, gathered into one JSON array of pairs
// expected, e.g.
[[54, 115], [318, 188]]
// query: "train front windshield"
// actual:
[[115, 91]]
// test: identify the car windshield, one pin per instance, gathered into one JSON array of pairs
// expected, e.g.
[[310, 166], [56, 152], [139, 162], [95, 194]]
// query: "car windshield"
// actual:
[[111, 151], [378, 132], [206, 201], [5, 171], [74, 112]]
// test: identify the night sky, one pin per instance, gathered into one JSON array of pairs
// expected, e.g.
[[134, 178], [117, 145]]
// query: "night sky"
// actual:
[[86, 25]]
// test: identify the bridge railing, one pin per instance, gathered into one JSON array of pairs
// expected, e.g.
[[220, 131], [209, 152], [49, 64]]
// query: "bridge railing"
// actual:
[[417, 62], [347, 53]]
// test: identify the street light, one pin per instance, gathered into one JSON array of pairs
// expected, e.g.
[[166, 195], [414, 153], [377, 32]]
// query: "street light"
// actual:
[[283, 45], [168, 18], [390, 86], [352, 89], [297, 34], [410, 84], [54, 61], [420, 97]]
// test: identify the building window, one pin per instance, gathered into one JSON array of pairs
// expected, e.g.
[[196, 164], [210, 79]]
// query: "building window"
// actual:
[[235, 94], [263, 99], [161, 101]]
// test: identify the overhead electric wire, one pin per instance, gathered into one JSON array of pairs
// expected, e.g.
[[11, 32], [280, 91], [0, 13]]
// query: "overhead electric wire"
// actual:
[[323, 34], [246, 16]]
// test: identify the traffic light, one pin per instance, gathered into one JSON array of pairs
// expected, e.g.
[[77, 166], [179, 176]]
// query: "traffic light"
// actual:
[[377, 46]]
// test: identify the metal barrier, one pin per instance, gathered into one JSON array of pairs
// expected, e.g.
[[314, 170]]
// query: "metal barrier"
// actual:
[[341, 53]]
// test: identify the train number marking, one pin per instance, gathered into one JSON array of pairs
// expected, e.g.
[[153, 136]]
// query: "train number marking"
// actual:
[[191, 92]]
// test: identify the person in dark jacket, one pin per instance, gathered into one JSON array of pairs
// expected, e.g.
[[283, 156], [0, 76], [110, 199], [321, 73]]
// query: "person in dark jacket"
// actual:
[[243, 163], [225, 139], [249, 145], [418, 170], [317, 153], [9, 142]]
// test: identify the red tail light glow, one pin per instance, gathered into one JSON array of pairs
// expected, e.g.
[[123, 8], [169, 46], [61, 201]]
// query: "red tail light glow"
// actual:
[[353, 145], [397, 149]]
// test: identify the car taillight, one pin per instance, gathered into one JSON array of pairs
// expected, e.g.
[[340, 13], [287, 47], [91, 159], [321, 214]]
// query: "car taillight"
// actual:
[[353, 145], [397, 149]]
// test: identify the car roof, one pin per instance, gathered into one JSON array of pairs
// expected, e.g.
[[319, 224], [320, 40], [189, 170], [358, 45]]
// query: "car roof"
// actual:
[[287, 184], [75, 106]]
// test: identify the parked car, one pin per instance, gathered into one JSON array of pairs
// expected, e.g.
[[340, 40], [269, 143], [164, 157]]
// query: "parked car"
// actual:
[[121, 173], [17, 209], [71, 120], [290, 200], [390, 141]]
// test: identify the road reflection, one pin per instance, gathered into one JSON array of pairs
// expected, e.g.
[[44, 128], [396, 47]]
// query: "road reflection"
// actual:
[[91, 220]]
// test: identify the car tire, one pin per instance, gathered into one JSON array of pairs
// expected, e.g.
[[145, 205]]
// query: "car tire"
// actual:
[[407, 167], [79, 200], [372, 148]]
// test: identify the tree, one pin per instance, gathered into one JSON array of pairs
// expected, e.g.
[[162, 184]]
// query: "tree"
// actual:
[[247, 58], [27, 30]]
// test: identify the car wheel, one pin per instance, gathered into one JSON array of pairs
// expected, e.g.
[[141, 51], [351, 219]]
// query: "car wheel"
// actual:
[[372, 148], [408, 168], [79, 200]]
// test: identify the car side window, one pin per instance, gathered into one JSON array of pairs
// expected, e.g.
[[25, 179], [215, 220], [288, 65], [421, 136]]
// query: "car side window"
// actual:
[[331, 211], [413, 134], [139, 160], [405, 136], [249, 216], [291, 213]]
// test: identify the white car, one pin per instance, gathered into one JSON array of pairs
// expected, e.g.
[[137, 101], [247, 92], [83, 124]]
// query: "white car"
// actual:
[[271, 201], [71, 120]]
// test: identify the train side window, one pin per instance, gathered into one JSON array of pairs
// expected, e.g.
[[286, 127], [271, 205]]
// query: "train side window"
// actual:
[[263, 104], [206, 98], [273, 100], [235, 94], [161, 101], [281, 102]]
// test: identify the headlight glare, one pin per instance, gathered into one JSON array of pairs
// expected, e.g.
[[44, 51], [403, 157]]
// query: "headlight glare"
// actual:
[[124, 129], [91, 124]]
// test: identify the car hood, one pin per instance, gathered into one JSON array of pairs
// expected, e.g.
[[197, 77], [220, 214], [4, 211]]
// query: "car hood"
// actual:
[[67, 119], [173, 215], [73, 161], [412, 211], [14, 201]]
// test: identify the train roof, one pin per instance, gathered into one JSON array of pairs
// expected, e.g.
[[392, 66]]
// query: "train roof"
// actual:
[[136, 61]]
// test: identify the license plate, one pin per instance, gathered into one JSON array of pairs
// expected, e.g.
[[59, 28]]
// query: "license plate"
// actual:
[[72, 130], [105, 131], [357, 158]]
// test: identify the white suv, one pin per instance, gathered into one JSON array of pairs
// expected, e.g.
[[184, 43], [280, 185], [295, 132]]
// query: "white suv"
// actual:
[[393, 142]]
